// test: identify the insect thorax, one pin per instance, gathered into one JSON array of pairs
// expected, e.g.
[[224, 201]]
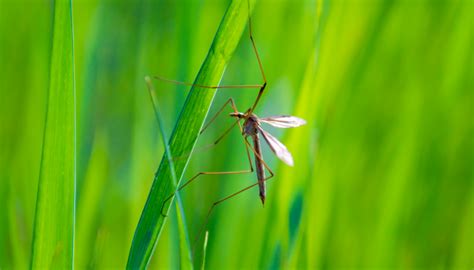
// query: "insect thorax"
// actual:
[[251, 126]]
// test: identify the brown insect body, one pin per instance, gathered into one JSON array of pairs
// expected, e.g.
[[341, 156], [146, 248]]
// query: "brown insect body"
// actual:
[[260, 168], [251, 128]]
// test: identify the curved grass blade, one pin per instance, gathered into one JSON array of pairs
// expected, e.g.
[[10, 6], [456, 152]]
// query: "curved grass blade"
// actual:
[[186, 132], [53, 238]]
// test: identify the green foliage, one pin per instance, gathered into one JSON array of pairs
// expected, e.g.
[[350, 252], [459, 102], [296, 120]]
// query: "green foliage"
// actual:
[[186, 133], [55, 205], [383, 172]]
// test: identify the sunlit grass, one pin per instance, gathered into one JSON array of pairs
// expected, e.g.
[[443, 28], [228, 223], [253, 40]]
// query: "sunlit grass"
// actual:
[[54, 226], [383, 170]]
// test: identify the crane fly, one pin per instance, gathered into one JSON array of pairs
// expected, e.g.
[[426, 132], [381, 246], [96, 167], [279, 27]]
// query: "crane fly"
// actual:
[[251, 127]]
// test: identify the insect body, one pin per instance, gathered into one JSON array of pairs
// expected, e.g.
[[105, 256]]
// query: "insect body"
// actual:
[[252, 128]]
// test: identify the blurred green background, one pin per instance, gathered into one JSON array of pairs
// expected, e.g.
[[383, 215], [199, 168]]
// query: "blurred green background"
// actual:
[[383, 174]]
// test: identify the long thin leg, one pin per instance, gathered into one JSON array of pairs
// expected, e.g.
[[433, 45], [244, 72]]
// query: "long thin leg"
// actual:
[[232, 104], [247, 146], [155, 109], [256, 86], [227, 131], [209, 146], [254, 46], [235, 193], [212, 173], [221, 201], [261, 87], [231, 101]]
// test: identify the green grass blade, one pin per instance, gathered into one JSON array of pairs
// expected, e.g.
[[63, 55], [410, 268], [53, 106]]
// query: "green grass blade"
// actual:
[[204, 251], [186, 132], [185, 253], [55, 206], [184, 246]]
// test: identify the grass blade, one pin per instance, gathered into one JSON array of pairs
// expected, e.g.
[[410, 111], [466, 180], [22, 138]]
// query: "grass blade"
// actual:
[[204, 251], [184, 247], [55, 206], [185, 254], [186, 132]]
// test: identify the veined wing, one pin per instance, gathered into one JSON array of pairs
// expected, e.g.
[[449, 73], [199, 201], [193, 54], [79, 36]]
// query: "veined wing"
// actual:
[[283, 121], [277, 147]]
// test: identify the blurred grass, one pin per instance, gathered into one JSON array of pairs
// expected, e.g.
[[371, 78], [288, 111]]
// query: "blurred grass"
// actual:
[[383, 174], [53, 232], [21, 135]]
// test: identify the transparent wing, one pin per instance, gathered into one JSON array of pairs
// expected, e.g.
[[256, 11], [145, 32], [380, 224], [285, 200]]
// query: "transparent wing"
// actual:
[[277, 147], [283, 121]]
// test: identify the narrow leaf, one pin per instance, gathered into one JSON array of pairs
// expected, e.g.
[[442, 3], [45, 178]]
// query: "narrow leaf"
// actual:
[[184, 247], [185, 253], [55, 206], [204, 251]]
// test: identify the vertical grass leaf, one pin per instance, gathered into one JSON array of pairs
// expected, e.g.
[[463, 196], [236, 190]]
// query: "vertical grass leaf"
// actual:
[[185, 254], [184, 247], [186, 131], [204, 250], [53, 237]]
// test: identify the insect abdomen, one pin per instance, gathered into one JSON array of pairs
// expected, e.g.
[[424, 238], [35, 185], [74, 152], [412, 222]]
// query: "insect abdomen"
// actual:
[[260, 169]]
